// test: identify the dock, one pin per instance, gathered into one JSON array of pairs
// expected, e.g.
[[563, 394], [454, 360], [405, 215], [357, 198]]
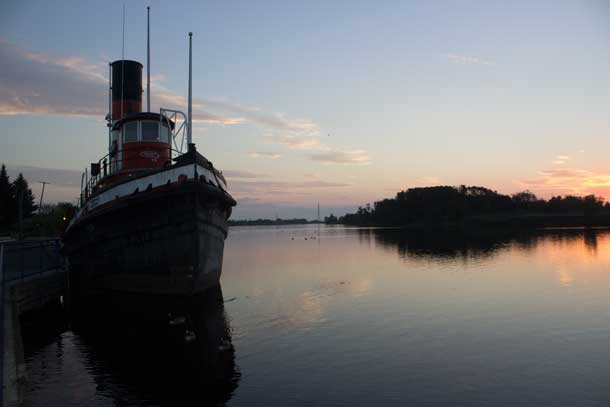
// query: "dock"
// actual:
[[33, 275]]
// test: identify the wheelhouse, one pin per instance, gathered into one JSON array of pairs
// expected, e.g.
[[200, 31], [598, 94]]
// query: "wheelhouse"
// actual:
[[140, 141]]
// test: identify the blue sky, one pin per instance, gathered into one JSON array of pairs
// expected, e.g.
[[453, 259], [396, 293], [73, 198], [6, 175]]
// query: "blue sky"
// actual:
[[338, 102]]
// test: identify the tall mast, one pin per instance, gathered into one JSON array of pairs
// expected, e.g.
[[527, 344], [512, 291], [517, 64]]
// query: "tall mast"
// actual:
[[189, 129], [123, 64], [148, 59], [109, 124]]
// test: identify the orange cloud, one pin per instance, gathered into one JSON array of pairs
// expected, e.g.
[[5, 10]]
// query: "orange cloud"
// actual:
[[564, 181]]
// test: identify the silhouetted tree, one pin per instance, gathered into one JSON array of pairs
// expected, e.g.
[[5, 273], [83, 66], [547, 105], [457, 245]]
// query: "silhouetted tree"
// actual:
[[592, 204], [526, 200], [7, 201], [331, 219], [20, 187], [525, 196], [450, 204]]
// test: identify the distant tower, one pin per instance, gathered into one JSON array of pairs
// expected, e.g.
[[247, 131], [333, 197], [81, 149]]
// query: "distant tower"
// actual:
[[318, 224]]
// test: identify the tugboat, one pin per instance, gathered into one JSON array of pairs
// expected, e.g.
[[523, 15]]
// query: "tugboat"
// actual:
[[152, 218]]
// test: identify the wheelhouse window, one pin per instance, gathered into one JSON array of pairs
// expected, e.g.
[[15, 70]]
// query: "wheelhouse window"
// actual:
[[130, 132], [150, 131], [115, 136]]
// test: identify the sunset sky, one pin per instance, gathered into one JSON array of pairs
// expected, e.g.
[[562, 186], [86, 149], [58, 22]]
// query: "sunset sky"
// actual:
[[337, 102]]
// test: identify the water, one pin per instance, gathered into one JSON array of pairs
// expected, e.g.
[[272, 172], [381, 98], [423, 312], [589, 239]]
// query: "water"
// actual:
[[360, 317]]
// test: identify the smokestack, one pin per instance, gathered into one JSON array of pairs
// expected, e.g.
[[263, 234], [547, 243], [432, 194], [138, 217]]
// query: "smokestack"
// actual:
[[126, 88]]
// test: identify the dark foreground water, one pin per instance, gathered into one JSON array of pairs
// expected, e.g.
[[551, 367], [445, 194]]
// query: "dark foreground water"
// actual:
[[360, 317]]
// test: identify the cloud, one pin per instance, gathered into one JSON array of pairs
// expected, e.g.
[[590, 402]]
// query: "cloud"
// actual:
[[263, 154], [33, 83], [248, 187], [561, 159], [230, 174], [319, 184], [565, 173], [38, 83], [43, 84], [344, 157], [308, 143], [276, 121], [468, 60], [324, 153], [166, 99], [276, 191], [563, 181]]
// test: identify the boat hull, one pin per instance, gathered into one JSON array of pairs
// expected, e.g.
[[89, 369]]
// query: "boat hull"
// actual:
[[160, 242]]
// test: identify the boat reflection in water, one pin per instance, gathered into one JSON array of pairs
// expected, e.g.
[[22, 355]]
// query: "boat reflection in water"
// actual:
[[124, 360]]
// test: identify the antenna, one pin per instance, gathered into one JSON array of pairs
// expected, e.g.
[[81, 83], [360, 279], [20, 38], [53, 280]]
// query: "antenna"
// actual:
[[148, 59], [123, 45], [189, 133]]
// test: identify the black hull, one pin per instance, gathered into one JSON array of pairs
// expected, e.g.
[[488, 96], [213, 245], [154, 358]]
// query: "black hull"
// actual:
[[161, 242]]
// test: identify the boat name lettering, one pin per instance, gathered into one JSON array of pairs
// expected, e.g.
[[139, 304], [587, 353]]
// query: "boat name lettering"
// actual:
[[150, 154]]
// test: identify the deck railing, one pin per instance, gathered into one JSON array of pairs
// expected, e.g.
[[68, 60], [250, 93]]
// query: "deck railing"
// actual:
[[110, 164]]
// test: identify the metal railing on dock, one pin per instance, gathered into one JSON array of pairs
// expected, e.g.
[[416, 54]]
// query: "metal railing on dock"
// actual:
[[31, 275], [27, 258]]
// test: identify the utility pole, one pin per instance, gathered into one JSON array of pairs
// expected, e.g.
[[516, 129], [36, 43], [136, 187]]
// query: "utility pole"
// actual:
[[42, 195]]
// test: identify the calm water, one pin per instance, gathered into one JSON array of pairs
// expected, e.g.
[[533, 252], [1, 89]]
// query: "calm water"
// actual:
[[360, 317]]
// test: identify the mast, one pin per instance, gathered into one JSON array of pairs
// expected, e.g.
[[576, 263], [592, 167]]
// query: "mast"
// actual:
[[109, 120], [148, 59], [123, 63], [189, 129]]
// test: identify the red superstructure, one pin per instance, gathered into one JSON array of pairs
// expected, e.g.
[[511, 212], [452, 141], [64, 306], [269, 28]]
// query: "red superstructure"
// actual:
[[138, 140], [141, 141]]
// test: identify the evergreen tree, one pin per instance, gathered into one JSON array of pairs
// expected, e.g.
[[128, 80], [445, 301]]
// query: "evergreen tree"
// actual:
[[20, 186], [7, 201]]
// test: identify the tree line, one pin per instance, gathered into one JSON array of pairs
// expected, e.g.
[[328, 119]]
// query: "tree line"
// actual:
[[17, 201], [453, 204], [12, 194]]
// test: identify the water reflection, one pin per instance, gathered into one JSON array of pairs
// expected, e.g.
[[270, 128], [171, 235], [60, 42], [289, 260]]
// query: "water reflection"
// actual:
[[112, 358], [363, 317], [478, 244], [590, 239]]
